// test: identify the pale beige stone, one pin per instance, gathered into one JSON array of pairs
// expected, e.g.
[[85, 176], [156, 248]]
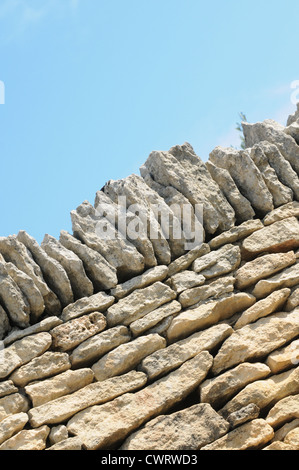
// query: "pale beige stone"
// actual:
[[285, 410], [58, 434], [158, 273], [287, 278], [278, 446], [33, 439], [13, 404], [95, 303], [154, 318], [249, 436], [281, 433], [292, 439], [44, 325], [185, 280], [214, 289], [284, 212], [216, 263], [11, 425], [185, 261], [293, 300], [72, 443], [284, 358], [7, 388], [236, 233], [243, 415], [127, 356]]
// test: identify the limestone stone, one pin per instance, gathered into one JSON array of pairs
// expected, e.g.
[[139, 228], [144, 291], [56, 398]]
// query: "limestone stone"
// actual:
[[284, 212], [278, 446], [249, 436], [153, 318], [282, 432], [186, 280], [264, 393], [158, 273], [293, 117], [102, 274], [12, 425], [44, 325], [13, 404], [72, 443], [69, 335], [62, 384], [32, 439], [287, 278], [93, 348], [262, 267], [96, 303], [4, 323], [50, 363], [218, 390], [127, 356], [257, 340], [16, 304], [292, 439], [185, 261], [263, 308], [246, 176], [293, 300], [54, 274], [284, 411], [284, 358], [23, 351], [208, 314], [214, 289], [58, 434], [218, 262], [236, 233], [61, 409], [242, 416], [163, 361], [7, 388], [139, 303], [105, 425], [80, 283], [189, 429], [279, 236]]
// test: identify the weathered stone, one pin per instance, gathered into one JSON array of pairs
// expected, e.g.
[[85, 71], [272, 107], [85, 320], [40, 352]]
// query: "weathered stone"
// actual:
[[287, 278], [278, 446], [274, 302], [58, 386], [281, 433], [7, 388], [23, 351], [186, 280], [50, 363], [96, 303], [155, 317], [12, 425], [262, 267], [139, 303], [246, 176], [236, 233], [284, 212], [292, 439], [214, 289], [185, 261], [249, 436], [218, 262], [284, 411], [33, 439], [158, 273], [127, 356], [44, 325], [239, 203], [16, 304], [13, 404], [72, 443], [277, 237], [105, 425], [58, 434], [242, 416], [53, 272], [163, 361], [69, 335], [208, 314], [93, 348], [257, 340], [81, 285], [189, 429], [4, 323], [264, 393], [61, 409], [102, 274], [218, 390], [293, 117], [284, 358], [293, 300]]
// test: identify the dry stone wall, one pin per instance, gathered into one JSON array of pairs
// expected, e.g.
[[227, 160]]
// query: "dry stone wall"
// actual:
[[139, 344]]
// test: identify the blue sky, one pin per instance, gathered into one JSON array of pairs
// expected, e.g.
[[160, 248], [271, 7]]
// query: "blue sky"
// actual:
[[93, 86]]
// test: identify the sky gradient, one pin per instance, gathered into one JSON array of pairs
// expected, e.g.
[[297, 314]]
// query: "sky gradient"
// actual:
[[93, 86]]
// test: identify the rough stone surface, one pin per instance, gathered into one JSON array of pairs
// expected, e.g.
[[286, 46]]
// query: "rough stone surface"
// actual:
[[12, 425], [284, 411], [96, 303], [287, 278], [158, 273], [242, 416], [33, 439], [215, 289]]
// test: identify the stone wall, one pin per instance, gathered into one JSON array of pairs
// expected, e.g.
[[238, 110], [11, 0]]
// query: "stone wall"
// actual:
[[138, 344]]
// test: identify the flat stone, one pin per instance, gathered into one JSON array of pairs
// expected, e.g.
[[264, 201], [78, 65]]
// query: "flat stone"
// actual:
[[274, 302], [95, 303], [16, 304], [93, 348], [264, 266], [236, 233], [242, 416], [293, 300], [287, 278], [12, 425], [257, 340], [50, 363], [158, 273], [185, 261], [58, 434], [58, 386], [278, 237], [163, 361], [61, 409], [249, 436], [292, 439], [7, 388], [33, 439], [106, 425], [284, 358], [127, 356], [189, 429], [139, 303], [213, 289], [44, 325], [282, 432], [284, 212], [73, 265], [186, 280], [13, 404], [278, 446], [218, 390], [284, 411], [69, 335], [218, 262], [102, 274], [72, 443], [23, 351], [153, 318]]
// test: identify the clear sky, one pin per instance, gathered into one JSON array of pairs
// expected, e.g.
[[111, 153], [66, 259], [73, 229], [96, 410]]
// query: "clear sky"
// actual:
[[93, 86]]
